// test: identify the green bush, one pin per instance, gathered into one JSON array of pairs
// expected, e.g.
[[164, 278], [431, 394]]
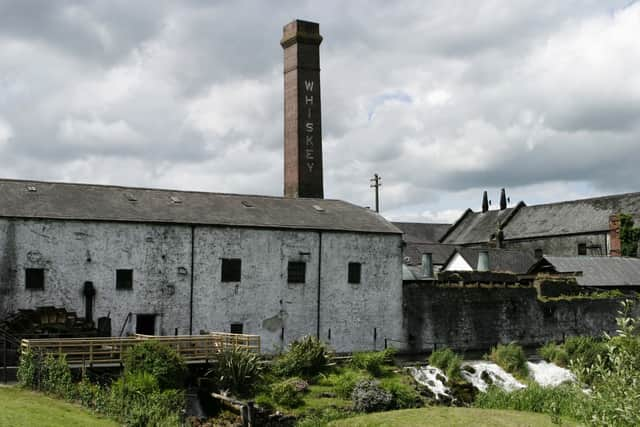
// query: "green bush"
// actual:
[[368, 396], [403, 395], [56, 376], [287, 393], [562, 401], [372, 361], [137, 400], [344, 383], [29, 369], [306, 358], [554, 353], [584, 352], [238, 371], [511, 358], [448, 362], [159, 360]]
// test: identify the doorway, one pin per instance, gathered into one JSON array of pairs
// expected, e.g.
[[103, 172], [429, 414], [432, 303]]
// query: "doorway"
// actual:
[[146, 324]]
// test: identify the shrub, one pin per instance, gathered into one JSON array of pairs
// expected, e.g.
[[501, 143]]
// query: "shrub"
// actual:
[[137, 400], [28, 369], [403, 395], [368, 396], [583, 353], [306, 358], [238, 370], [90, 394], [159, 360], [344, 383], [554, 353], [287, 393], [448, 362], [56, 376], [511, 358], [372, 361]]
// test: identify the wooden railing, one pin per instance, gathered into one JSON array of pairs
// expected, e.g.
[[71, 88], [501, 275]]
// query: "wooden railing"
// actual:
[[90, 351]]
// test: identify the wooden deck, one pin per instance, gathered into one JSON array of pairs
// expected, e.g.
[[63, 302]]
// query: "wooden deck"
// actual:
[[110, 351]]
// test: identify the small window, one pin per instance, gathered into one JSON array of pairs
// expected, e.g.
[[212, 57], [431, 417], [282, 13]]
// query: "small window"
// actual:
[[34, 278], [124, 279], [231, 270], [296, 272], [354, 272], [236, 328], [538, 253], [582, 248]]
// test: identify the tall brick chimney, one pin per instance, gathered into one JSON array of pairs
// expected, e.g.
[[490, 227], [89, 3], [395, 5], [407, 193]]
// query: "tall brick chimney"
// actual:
[[615, 245], [302, 119]]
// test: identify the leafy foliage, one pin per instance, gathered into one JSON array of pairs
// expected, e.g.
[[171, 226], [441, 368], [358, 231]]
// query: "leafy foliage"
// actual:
[[28, 369], [368, 396], [372, 361], [306, 358], [583, 353], [511, 358], [554, 353], [238, 370], [448, 362], [629, 235], [562, 401], [403, 395], [288, 393], [159, 360], [344, 383], [56, 376]]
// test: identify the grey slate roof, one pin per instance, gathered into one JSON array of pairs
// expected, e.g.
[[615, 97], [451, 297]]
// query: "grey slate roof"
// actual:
[[577, 216], [500, 260], [476, 227], [414, 232], [439, 252], [599, 271], [52, 200]]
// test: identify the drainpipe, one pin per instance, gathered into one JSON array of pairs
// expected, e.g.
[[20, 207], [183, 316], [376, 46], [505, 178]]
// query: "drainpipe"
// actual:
[[191, 282], [319, 282]]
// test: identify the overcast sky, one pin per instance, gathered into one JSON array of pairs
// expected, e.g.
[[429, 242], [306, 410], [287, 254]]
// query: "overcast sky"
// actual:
[[443, 99]]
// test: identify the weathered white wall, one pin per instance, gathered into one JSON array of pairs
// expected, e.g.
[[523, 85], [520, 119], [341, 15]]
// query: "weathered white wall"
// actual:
[[160, 256], [458, 263]]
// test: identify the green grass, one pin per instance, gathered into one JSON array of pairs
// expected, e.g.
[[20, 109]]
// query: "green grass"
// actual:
[[20, 407], [446, 416]]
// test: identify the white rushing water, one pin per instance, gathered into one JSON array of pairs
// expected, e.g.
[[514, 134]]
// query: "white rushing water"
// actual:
[[549, 375], [495, 373], [429, 377], [487, 373]]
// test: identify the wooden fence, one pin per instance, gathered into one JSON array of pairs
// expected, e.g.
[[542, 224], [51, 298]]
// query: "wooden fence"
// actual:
[[93, 351]]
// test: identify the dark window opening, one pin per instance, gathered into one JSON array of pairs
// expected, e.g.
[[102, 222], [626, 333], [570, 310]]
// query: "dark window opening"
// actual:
[[146, 324], [538, 253], [296, 272], [231, 270], [354, 272], [124, 279], [236, 328], [34, 278], [582, 248]]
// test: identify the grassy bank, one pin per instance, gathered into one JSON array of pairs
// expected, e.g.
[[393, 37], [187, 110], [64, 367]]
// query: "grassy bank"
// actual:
[[448, 416], [20, 407]]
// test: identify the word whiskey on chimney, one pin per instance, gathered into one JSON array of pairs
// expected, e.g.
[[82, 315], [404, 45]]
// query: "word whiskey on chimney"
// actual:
[[302, 115]]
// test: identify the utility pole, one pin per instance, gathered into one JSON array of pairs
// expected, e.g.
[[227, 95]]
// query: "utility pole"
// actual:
[[376, 182]]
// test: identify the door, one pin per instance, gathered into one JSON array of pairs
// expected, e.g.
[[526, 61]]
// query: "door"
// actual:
[[146, 324]]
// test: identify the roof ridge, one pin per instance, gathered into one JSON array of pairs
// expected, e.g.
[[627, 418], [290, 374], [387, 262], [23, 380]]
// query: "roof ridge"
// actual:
[[587, 199], [165, 190]]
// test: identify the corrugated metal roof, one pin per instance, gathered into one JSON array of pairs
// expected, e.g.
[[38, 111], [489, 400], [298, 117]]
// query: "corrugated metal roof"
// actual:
[[599, 271], [419, 232], [52, 200]]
